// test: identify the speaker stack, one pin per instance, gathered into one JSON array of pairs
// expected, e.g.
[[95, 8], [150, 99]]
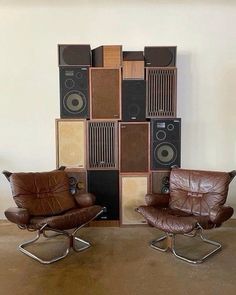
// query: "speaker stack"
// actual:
[[118, 132]]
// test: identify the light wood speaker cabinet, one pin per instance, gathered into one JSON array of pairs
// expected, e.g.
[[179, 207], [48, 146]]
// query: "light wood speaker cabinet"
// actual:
[[71, 143], [133, 190]]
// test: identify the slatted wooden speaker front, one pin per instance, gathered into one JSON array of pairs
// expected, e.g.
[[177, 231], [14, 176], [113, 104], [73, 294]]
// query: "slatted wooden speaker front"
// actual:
[[102, 145], [161, 92], [133, 190], [105, 89], [71, 143], [134, 147]]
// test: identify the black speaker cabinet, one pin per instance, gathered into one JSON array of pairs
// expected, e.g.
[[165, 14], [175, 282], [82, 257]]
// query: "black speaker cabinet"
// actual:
[[74, 92], [160, 182], [105, 186], [165, 143], [156, 56], [74, 55], [133, 100]]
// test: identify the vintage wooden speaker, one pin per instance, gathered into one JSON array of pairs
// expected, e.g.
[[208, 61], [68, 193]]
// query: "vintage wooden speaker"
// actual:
[[160, 182], [160, 56], [133, 189], [105, 89], [74, 55], [71, 143], [133, 65], [102, 145], [77, 180], [107, 56], [134, 147], [161, 92]]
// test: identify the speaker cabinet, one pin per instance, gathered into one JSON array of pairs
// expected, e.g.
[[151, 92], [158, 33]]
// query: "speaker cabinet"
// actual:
[[133, 65], [165, 143], [74, 55], [105, 92], [108, 56], [77, 180], [160, 182], [133, 190], [105, 186], [161, 92], [74, 92], [102, 145], [71, 143], [133, 100], [156, 56], [134, 147]]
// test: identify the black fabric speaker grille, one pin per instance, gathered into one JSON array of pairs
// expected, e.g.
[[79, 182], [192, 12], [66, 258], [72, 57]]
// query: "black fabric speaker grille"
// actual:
[[74, 92], [133, 100], [105, 186], [160, 56], [75, 55]]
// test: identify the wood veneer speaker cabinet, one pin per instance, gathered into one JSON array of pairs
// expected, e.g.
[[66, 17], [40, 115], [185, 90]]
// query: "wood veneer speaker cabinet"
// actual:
[[161, 92], [102, 138], [134, 146], [133, 65], [133, 189], [160, 182], [77, 180], [71, 143], [108, 56], [105, 89]]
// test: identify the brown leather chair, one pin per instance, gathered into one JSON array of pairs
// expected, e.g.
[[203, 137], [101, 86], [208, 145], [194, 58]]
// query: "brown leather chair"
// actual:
[[44, 204], [195, 203]]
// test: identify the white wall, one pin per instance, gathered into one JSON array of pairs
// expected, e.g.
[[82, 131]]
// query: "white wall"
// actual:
[[204, 32]]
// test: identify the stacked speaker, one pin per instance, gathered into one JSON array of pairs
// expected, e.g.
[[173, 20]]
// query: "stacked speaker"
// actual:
[[118, 134]]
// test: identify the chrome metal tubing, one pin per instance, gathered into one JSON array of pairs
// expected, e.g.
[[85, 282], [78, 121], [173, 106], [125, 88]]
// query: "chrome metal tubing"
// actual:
[[154, 242]]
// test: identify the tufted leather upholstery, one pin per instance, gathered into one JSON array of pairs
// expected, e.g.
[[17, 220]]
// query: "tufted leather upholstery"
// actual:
[[195, 197]]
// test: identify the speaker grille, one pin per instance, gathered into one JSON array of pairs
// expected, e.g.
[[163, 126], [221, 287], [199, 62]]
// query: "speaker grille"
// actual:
[[161, 92], [102, 145]]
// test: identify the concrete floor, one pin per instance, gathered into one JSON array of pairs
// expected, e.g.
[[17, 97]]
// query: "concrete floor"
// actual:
[[120, 263]]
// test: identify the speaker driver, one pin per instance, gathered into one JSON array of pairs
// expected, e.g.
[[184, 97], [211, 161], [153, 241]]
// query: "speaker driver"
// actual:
[[72, 181], [165, 153], [69, 83], [161, 135], [165, 190], [133, 110], [74, 102]]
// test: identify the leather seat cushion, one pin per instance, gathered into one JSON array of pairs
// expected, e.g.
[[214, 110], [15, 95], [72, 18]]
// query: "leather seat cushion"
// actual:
[[173, 220], [68, 220]]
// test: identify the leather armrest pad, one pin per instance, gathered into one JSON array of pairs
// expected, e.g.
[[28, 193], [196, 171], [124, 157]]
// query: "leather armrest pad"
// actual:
[[17, 215], [159, 200], [85, 200], [219, 214]]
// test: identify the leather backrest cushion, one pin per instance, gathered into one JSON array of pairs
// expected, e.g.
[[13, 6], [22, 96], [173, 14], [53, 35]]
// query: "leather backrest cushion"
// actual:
[[196, 191], [44, 193]]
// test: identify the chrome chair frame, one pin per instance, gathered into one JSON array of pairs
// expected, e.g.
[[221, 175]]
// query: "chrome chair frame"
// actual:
[[72, 241], [170, 245]]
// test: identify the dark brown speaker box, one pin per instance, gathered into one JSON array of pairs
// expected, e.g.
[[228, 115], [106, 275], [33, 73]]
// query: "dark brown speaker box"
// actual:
[[105, 89], [102, 145], [160, 182], [160, 56], [161, 92], [77, 180], [133, 65], [74, 55], [134, 147], [108, 56]]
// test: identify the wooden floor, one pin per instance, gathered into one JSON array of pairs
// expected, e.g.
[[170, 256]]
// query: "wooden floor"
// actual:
[[120, 263]]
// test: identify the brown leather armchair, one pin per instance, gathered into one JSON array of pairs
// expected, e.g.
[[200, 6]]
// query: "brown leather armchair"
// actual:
[[45, 204], [195, 203]]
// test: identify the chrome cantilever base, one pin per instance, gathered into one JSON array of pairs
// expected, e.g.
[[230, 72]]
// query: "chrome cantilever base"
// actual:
[[170, 245], [73, 241]]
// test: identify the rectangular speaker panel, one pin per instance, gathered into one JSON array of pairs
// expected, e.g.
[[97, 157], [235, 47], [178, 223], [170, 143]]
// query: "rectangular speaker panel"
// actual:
[[133, 70], [105, 86], [134, 147], [160, 182], [160, 56], [108, 56], [102, 145], [161, 92], [77, 180], [133, 191], [71, 143], [74, 55]]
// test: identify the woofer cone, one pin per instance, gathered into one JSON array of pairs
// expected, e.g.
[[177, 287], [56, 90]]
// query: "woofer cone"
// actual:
[[165, 153], [74, 102]]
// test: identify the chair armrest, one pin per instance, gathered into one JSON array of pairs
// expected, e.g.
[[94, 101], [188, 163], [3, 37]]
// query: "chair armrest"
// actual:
[[85, 200], [158, 200], [219, 214], [17, 215]]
